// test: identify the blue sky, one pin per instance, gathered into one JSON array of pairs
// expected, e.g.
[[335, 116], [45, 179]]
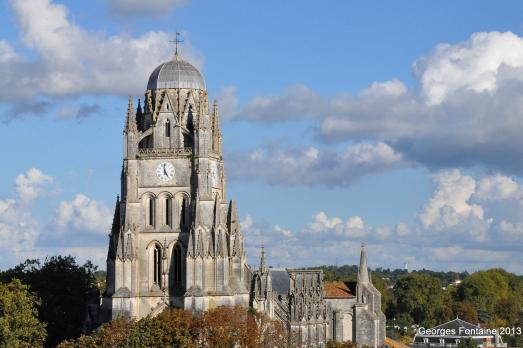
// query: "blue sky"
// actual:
[[394, 123]]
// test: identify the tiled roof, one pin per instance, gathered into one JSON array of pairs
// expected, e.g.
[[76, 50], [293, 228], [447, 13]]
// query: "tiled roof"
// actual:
[[337, 289]]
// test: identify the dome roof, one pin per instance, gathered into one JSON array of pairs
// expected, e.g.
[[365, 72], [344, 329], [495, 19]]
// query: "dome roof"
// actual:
[[176, 73]]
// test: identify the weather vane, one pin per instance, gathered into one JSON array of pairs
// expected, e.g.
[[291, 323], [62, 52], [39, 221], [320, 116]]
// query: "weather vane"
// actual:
[[176, 41]]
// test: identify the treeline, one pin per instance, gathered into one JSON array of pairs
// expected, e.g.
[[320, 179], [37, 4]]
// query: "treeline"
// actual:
[[349, 273], [217, 328], [492, 298], [44, 303]]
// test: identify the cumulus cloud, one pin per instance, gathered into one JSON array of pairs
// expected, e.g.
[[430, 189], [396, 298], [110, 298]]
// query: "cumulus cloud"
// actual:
[[19, 230], [305, 166], [450, 203], [465, 110], [29, 185], [478, 64], [84, 214], [71, 60], [456, 229], [140, 7]]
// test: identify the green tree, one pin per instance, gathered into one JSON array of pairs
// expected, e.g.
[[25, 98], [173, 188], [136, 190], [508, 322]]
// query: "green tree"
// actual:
[[63, 287], [19, 324], [465, 311], [386, 293], [467, 343], [420, 299], [496, 294]]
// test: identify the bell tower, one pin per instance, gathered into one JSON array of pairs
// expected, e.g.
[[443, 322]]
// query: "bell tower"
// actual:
[[175, 240]]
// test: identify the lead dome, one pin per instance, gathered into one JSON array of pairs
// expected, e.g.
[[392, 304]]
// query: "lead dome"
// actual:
[[176, 73]]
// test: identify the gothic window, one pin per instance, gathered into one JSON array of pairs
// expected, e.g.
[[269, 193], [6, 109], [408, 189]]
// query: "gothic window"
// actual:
[[157, 265], [168, 211], [177, 264], [186, 141], [151, 211], [167, 129], [183, 213]]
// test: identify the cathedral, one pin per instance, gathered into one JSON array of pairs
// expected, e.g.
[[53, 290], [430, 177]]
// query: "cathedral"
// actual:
[[176, 241]]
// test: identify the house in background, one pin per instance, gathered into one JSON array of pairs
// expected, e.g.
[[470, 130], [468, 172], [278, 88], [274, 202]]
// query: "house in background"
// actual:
[[462, 330]]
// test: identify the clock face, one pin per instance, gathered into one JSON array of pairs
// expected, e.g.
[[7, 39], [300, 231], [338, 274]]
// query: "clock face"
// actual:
[[165, 171]]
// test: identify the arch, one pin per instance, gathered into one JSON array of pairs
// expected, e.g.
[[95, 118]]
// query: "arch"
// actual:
[[168, 208], [149, 202], [182, 210], [164, 207], [167, 129], [157, 264], [176, 264]]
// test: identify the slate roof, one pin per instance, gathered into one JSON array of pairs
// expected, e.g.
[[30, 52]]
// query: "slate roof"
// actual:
[[280, 281]]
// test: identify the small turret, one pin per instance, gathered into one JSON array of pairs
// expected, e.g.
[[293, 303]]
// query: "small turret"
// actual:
[[216, 132], [130, 122], [262, 259]]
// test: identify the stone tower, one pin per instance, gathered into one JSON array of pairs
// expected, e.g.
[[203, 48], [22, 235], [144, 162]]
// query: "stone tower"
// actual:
[[175, 241]]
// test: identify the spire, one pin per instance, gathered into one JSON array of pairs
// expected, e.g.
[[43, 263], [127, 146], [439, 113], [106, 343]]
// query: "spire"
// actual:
[[363, 271], [139, 107], [233, 222], [216, 133], [130, 122], [262, 259]]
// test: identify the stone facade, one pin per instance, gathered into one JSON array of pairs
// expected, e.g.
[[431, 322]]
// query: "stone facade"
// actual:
[[314, 312], [176, 241]]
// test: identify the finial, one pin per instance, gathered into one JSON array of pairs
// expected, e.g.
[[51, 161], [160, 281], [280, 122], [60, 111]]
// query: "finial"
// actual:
[[176, 41], [262, 259]]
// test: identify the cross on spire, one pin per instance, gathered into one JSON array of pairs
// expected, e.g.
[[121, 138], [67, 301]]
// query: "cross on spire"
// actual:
[[176, 41]]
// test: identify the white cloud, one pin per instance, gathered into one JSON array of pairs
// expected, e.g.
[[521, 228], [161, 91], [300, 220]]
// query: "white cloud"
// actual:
[[458, 229], [29, 185], [464, 111], [141, 7], [450, 203], [496, 187], [84, 214], [228, 101], [475, 64], [313, 166], [284, 232], [18, 229], [323, 223], [71, 60], [393, 88]]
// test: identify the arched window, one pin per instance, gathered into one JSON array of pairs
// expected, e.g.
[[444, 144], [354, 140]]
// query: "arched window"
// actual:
[[177, 264], [168, 211], [157, 265], [151, 211], [167, 129], [182, 213]]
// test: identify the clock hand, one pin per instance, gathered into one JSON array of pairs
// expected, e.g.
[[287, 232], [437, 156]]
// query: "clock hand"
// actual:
[[165, 170]]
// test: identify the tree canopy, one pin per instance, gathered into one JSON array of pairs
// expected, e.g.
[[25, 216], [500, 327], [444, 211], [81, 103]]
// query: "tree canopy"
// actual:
[[19, 324], [222, 327], [63, 287]]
